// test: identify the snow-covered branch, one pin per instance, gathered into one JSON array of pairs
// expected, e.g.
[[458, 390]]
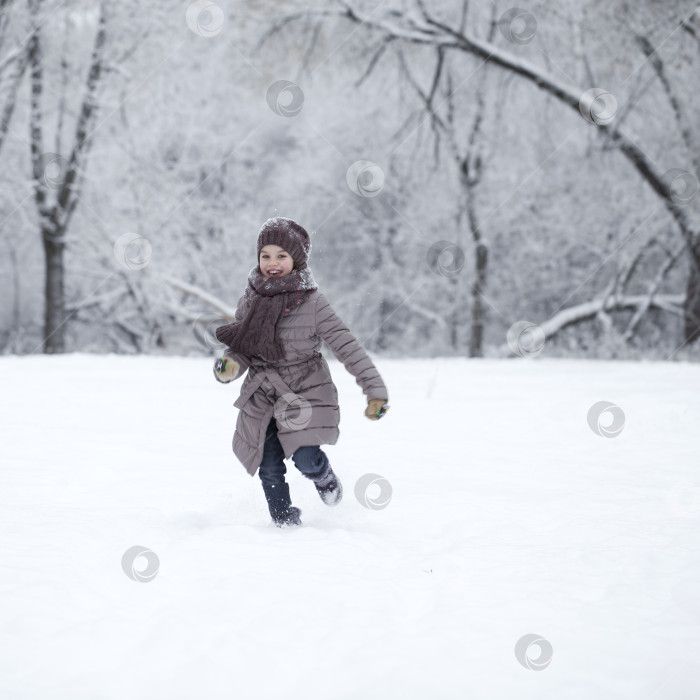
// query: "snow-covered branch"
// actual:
[[222, 307], [672, 303]]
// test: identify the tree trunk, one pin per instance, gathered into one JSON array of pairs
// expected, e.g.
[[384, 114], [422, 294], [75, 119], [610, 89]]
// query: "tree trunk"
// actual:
[[476, 341], [381, 342], [470, 176], [55, 312], [56, 208], [691, 305], [456, 317]]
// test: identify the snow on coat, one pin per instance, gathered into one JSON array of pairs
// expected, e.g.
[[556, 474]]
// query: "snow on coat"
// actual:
[[298, 390]]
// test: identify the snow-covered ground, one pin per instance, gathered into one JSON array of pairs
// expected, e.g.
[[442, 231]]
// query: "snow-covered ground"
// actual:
[[509, 516]]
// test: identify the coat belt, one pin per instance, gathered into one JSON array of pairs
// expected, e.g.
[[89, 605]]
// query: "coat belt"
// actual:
[[257, 380], [265, 370]]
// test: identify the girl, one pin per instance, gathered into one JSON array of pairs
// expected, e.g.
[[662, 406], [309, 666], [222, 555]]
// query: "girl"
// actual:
[[288, 403]]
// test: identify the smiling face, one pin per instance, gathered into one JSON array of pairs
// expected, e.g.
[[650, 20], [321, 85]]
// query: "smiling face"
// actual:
[[275, 261]]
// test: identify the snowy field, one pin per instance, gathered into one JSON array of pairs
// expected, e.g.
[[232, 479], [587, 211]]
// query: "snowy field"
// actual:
[[509, 516]]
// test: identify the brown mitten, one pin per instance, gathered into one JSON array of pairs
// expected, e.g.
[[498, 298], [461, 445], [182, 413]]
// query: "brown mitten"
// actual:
[[226, 370], [376, 408]]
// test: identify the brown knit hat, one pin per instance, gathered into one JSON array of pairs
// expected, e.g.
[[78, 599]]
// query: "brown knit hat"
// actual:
[[286, 234]]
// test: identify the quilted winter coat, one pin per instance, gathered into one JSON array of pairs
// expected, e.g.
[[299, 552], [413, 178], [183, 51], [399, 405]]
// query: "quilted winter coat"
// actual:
[[298, 390]]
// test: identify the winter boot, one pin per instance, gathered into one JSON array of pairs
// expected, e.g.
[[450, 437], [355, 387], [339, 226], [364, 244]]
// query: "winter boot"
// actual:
[[280, 505], [328, 485], [293, 517]]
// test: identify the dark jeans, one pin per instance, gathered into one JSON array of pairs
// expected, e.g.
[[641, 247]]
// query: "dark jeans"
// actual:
[[309, 460]]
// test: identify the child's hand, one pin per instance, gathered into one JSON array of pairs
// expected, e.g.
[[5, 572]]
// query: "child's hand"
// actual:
[[226, 370], [376, 408]]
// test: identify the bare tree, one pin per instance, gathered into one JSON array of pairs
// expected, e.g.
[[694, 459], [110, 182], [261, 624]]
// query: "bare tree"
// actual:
[[58, 179], [469, 161]]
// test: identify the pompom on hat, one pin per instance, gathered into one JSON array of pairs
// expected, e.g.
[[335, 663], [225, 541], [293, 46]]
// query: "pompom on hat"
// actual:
[[286, 234]]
